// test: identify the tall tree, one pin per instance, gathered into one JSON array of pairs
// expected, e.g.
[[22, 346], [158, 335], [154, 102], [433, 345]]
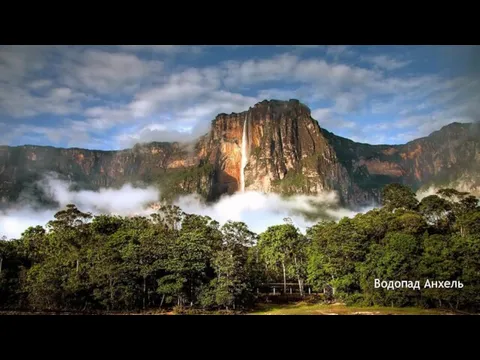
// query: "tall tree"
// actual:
[[398, 196], [451, 194], [335, 252], [435, 209], [190, 257], [230, 263], [395, 259], [281, 245]]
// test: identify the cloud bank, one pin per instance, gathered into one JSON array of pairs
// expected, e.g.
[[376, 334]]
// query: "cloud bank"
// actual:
[[257, 210]]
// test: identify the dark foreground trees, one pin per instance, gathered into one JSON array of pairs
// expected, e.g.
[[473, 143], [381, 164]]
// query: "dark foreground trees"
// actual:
[[80, 262], [403, 242], [117, 263]]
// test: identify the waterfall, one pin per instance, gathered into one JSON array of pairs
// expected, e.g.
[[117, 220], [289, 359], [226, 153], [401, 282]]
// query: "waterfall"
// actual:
[[244, 156]]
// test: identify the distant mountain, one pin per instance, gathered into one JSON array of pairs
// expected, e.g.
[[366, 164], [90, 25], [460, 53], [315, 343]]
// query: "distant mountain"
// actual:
[[285, 151]]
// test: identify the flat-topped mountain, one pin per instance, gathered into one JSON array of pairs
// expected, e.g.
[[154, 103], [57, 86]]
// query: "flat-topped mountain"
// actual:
[[275, 146]]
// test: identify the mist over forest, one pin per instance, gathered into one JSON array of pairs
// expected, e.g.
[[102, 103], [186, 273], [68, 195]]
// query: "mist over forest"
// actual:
[[258, 210], [170, 258]]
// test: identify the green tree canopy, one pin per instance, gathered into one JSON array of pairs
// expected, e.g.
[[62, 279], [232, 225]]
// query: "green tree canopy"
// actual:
[[398, 196]]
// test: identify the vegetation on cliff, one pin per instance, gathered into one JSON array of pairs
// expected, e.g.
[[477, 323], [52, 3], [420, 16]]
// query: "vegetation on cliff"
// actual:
[[186, 181], [283, 139], [292, 183], [80, 262]]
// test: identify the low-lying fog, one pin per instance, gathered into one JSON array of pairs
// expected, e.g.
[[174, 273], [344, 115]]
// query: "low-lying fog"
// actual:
[[256, 209]]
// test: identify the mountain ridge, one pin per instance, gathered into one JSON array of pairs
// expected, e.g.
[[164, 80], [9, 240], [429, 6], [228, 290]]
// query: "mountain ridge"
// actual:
[[288, 152]]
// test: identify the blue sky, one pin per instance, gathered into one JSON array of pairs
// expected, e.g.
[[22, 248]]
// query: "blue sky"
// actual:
[[111, 97]]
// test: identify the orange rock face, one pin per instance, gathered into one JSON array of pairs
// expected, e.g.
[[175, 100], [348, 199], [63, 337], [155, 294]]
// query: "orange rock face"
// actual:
[[176, 164], [282, 139], [377, 167], [390, 151], [224, 146], [412, 154], [287, 152]]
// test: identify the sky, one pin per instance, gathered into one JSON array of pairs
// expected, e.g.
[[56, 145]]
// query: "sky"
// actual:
[[111, 97]]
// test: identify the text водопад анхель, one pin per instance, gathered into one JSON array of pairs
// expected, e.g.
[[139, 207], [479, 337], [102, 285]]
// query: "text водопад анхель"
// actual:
[[410, 284]]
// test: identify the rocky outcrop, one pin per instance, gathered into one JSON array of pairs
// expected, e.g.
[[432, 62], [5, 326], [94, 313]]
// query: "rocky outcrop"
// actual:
[[222, 149], [447, 157], [153, 163], [443, 156], [287, 152]]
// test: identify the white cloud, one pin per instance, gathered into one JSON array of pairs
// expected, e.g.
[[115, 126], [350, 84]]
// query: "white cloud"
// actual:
[[17, 62], [256, 209], [161, 132], [335, 76], [178, 90], [404, 137], [328, 79], [195, 118], [41, 83], [74, 133], [279, 94], [349, 102], [124, 201], [296, 46], [377, 127], [106, 72], [218, 102], [424, 95], [415, 120], [194, 95], [327, 118], [254, 71], [425, 125], [18, 102], [369, 138], [259, 210], [188, 97], [15, 222], [105, 117], [322, 114], [386, 62], [162, 49], [337, 50]]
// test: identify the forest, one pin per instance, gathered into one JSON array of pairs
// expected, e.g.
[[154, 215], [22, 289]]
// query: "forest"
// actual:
[[173, 260]]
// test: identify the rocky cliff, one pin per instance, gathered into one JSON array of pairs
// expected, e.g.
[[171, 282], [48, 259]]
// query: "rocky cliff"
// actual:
[[447, 157], [286, 151], [169, 165]]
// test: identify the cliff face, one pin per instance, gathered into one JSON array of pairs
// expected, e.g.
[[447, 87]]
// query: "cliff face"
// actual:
[[447, 157], [222, 149], [283, 140], [444, 156], [21, 167], [286, 152]]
